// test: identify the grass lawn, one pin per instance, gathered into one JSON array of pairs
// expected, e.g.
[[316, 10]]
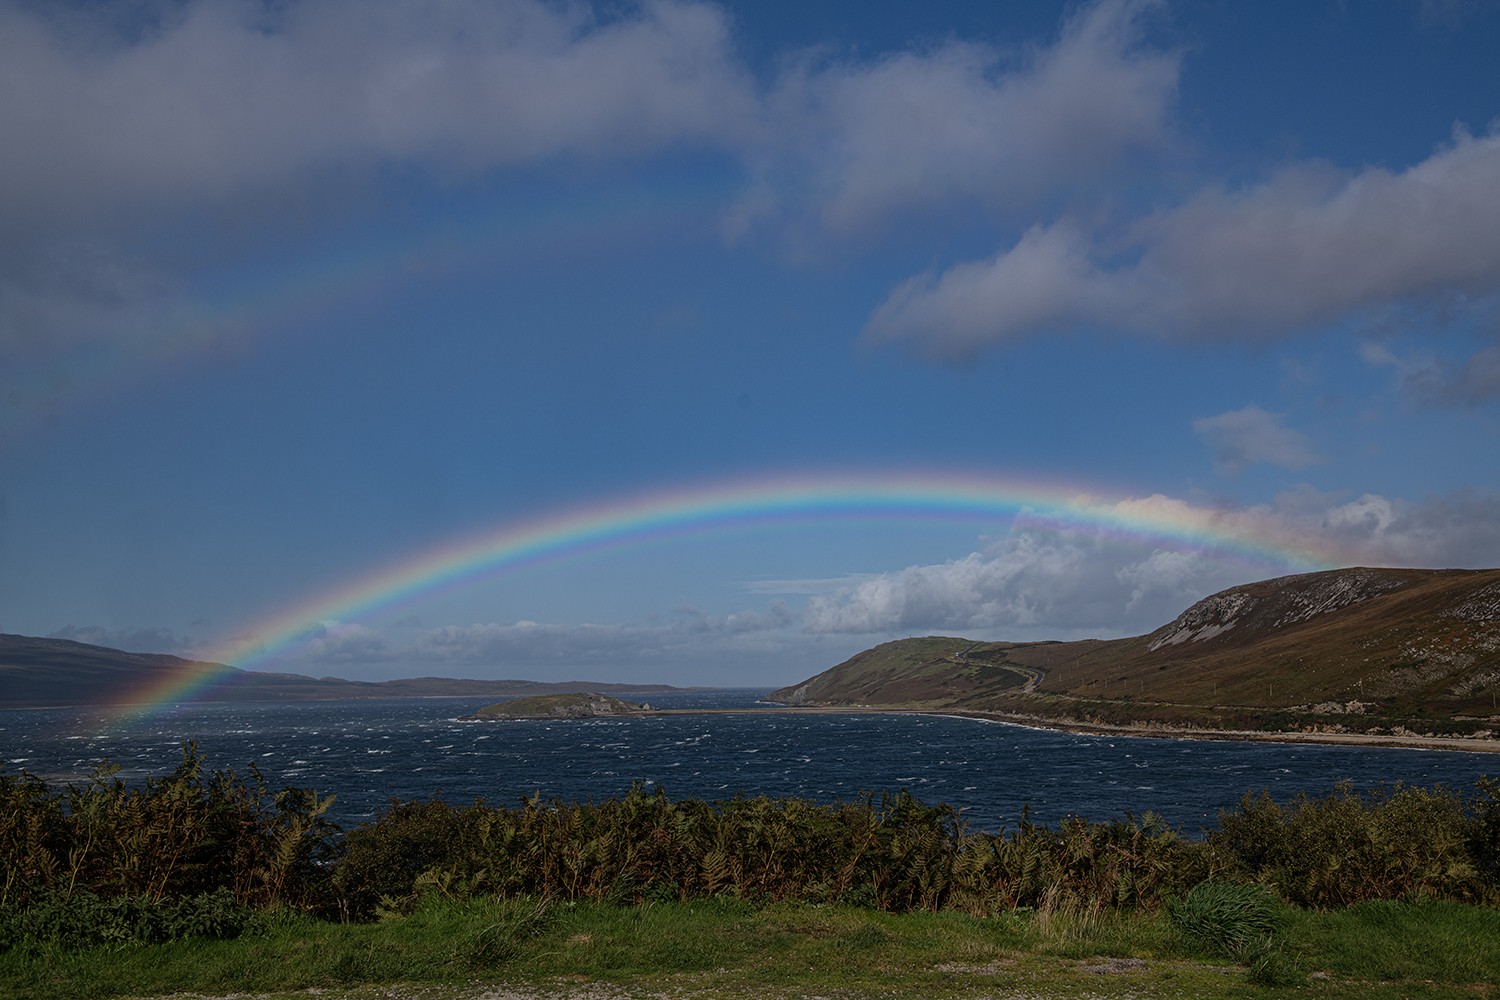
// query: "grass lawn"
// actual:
[[727, 948]]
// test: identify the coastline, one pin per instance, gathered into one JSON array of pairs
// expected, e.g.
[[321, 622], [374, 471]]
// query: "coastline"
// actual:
[[1144, 730], [1157, 731]]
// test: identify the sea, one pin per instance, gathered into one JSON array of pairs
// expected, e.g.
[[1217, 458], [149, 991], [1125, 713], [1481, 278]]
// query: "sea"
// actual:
[[372, 751]]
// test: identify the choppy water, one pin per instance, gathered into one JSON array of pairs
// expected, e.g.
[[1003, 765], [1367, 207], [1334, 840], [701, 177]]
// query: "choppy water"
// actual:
[[370, 751]]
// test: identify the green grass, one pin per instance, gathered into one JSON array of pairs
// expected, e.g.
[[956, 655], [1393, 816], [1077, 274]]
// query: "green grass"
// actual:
[[1443, 942], [724, 947]]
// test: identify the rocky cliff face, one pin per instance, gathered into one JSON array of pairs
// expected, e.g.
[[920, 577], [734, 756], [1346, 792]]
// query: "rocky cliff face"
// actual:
[[1271, 605]]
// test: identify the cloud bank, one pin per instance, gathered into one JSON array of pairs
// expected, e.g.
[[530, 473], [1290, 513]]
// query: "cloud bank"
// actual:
[[218, 98], [228, 115], [232, 111]]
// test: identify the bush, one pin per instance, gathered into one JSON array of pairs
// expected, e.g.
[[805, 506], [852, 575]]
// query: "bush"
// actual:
[[180, 836], [1273, 968], [1224, 919], [84, 919], [106, 849], [894, 853], [1343, 848]]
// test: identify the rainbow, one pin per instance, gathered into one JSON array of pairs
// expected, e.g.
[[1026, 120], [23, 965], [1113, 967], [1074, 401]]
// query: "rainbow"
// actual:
[[1244, 537]]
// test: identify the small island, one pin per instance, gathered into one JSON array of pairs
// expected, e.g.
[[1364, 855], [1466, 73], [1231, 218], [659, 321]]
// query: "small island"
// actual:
[[576, 705]]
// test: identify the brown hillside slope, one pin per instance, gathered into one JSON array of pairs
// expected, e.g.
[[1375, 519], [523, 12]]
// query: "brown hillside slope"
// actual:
[[1386, 642]]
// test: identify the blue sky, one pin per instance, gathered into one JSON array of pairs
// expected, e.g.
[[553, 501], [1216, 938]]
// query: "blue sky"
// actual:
[[291, 293]]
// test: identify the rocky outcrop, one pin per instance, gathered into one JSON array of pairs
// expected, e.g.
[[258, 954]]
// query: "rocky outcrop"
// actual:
[[1275, 604]]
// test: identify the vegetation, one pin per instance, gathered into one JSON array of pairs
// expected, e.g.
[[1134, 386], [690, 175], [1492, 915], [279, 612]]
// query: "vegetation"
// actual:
[[727, 947], [205, 879]]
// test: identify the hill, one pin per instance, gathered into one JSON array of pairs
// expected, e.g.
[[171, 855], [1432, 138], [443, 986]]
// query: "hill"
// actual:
[[1343, 648], [58, 673]]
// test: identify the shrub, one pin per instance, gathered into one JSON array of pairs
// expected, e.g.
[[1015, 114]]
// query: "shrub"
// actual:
[[180, 836], [83, 919], [1342, 848], [1224, 918], [1271, 967], [103, 844]]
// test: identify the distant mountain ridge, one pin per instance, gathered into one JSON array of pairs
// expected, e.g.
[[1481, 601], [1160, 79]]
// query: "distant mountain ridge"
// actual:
[[58, 673], [1412, 643]]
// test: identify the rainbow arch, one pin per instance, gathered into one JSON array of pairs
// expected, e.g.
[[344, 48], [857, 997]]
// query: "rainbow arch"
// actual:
[[1240, 537]]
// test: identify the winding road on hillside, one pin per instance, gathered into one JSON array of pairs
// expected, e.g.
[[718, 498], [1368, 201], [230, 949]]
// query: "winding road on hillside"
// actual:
[[1033, 677]]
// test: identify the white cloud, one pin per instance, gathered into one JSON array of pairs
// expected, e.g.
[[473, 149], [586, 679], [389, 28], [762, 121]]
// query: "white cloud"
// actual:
[[1245, 437], [1039, 583], [225, 98], [1171, 574], [1036, 583], [1308, 247], [859, 139], [218, 100], [336, 642], [1458, 530]]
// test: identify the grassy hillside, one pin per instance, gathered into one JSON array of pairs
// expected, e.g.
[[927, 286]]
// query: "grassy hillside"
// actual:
[[900, 671], [1343, 646]]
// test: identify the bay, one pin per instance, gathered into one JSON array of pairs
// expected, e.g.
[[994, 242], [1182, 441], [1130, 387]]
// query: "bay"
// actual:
[[371, 751]]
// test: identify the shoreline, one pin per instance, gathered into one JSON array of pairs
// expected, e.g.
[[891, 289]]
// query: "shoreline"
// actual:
[[1144, 731], [1239, 735]]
